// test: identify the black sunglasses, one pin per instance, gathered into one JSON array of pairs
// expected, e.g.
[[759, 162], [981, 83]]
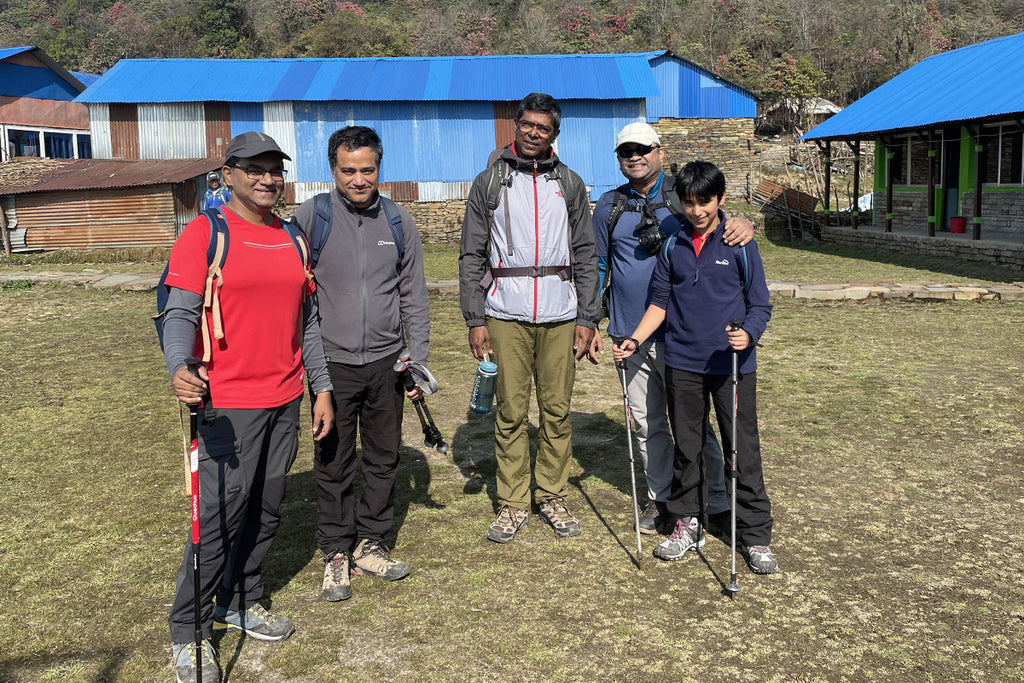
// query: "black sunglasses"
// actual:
[[628, 152]]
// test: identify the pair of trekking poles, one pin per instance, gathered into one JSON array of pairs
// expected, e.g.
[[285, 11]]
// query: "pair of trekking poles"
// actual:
[[733, 586]]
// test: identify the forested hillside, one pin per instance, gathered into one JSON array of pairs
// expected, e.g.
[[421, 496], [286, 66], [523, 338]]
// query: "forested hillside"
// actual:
[[839, 49]]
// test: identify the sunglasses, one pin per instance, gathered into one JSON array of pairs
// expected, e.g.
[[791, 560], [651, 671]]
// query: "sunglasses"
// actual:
[[625, 152]]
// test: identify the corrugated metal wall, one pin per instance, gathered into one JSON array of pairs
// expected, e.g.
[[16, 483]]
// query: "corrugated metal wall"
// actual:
[[587, 141], [86, 219], [99, 131], [689, 92], [423, 141], [124, 132], [504, 123], [279, 124], [218, 128], [172, 131]]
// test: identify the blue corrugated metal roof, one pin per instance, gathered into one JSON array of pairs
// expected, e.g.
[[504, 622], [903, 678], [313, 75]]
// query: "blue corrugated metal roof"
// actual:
[[491, 78], [11, 51], [84, 78], [974, 82], [687, 90]]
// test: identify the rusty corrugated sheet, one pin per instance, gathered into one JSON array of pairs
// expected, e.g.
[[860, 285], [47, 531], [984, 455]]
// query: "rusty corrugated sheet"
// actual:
[[85, 174], [504, 123], [401, 191], [28, 111], [127, 217], [186, 204], [124, 131], [218, 128]]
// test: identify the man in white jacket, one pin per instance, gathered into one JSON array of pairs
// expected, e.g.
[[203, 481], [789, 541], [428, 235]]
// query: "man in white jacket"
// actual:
[[528, 289]]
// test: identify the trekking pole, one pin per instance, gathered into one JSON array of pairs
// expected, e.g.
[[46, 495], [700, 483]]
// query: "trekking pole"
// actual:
[[621, 365], [734, 585], [193, 363], [431, 434]]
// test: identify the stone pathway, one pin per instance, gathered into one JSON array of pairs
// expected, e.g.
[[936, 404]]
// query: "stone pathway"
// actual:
[[824, 291]]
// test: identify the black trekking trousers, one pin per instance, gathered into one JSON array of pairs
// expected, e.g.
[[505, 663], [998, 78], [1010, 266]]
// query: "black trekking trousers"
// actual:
[[690, 395]]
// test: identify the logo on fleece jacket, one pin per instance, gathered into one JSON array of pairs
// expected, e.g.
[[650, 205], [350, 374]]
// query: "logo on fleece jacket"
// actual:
[[722, 262]]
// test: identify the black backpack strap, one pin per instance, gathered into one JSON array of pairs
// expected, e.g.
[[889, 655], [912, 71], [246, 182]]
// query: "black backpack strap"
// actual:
[[500, 181], [321, 226], [394, 217]]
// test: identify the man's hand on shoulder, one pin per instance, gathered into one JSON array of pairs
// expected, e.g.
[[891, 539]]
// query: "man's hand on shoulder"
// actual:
[[738, 231]]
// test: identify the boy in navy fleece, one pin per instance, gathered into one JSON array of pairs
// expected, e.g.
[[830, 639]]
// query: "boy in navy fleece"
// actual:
[[699, 285]]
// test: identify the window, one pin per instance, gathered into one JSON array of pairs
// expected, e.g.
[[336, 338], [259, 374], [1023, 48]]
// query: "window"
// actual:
[[910, 159], [23, 143], [1001, 155], [59, 145]]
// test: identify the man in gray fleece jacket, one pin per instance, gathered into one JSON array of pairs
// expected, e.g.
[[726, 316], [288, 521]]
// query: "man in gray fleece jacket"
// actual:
[[528, 286], [371, 307]]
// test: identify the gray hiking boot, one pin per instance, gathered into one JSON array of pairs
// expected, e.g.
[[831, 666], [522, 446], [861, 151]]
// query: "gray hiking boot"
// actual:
[[255, 622], [183, 660], [337, 585], [760, 559], [509, 522], [554, 512], [652, 518], [686, 534], [373, 559]]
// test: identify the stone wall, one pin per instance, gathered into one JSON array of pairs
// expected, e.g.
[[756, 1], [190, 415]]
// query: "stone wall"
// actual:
[[1002, 214], [727, 143], [438, 221], [1010, 255]]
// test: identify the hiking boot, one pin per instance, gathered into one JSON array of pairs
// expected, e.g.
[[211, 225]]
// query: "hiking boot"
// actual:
[[508, 523], [183, 660], [255, 622], [760, 559], [336, 586], [554, 512], [371, 558], [686, 534], [652, 518]]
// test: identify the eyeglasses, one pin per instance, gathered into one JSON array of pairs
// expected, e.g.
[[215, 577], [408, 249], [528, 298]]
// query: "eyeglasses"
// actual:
[[529, 126], [625, 152], [257, 172]]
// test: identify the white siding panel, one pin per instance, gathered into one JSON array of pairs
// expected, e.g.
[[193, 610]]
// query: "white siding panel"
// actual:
[[306, 191], [99, 130], [172, 131], [279, 123]]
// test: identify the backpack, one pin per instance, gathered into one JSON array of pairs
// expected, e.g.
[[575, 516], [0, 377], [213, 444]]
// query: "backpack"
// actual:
[[670, 200], [499, 182], [325, 217], [216, 255], [739, 250]]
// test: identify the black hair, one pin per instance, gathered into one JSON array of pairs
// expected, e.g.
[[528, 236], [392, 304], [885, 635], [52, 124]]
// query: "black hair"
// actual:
[[543, 103], [353, 138], [700, 180]]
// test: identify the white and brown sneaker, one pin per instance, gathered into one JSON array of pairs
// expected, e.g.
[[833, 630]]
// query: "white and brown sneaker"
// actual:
[[555, 513], [371, 558], [508, 523]]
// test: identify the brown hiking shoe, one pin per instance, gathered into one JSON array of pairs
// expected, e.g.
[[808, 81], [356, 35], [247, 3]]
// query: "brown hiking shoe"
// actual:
[[652, 518], [337, 585], [555, 513], [508, 523], [373, 559]]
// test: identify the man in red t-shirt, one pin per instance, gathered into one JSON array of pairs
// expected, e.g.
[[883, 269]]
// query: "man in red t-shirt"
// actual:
[[252, 386]]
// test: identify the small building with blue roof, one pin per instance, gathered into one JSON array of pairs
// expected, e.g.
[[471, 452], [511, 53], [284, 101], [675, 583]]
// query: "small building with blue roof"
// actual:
[[38, 114], [439, 117], [949, 143]]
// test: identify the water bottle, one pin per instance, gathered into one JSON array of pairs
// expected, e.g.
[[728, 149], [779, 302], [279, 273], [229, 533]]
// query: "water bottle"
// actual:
[[483, 387]]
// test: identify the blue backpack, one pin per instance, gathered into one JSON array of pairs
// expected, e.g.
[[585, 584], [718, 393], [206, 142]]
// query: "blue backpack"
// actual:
[[324, 218], [216, 255]]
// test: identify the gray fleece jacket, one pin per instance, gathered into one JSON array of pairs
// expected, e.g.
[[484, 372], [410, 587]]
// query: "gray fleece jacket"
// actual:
[[364, 302]]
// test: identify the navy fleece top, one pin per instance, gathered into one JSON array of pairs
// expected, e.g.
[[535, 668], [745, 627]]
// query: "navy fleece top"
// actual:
[[702, 294]]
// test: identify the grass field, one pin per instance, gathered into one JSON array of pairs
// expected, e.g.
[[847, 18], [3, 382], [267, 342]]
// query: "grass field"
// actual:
[[893, 440]]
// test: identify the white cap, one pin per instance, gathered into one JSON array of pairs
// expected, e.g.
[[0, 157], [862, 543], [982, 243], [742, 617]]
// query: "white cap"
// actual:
[[639, 133]]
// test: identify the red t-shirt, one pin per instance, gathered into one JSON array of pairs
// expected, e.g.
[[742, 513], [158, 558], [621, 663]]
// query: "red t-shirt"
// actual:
[[698, 241], [258, 363]]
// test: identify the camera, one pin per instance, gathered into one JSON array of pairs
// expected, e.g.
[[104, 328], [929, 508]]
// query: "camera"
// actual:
[[649, 233]]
